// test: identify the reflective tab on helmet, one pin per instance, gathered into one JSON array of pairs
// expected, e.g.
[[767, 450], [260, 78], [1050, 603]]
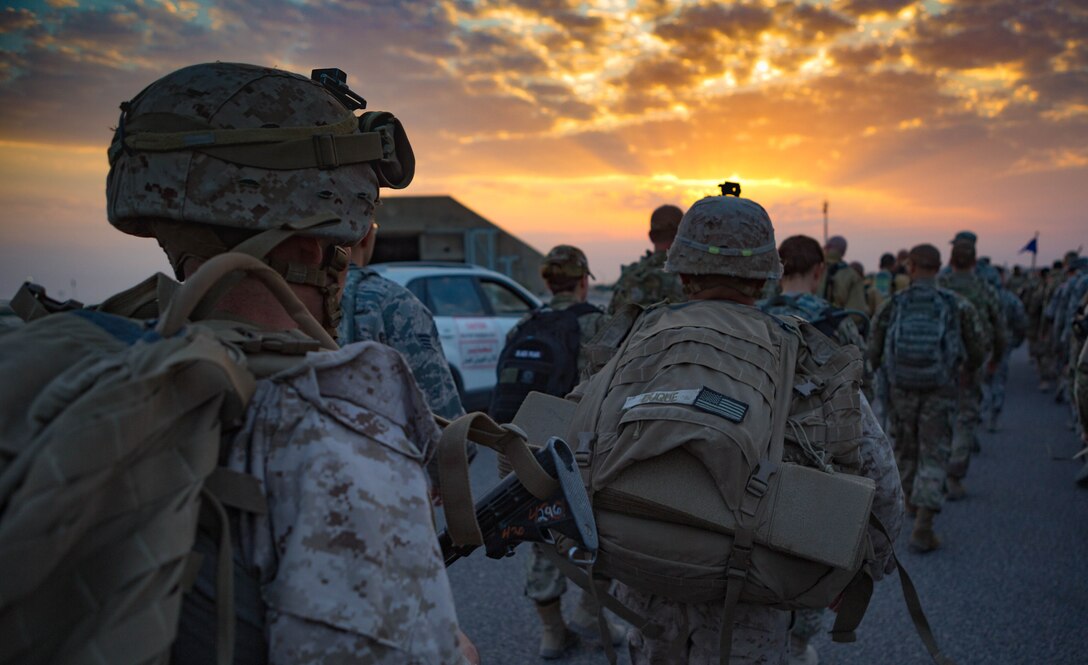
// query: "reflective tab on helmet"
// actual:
[[725, 251]]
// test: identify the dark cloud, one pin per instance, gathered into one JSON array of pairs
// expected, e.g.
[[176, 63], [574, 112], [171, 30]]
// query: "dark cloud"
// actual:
[[869, 7], [861, 57], [710, 22], [813, 19], [15, 20]]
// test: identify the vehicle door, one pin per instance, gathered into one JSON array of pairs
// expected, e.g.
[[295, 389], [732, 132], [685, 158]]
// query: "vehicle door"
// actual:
[[471, 337]]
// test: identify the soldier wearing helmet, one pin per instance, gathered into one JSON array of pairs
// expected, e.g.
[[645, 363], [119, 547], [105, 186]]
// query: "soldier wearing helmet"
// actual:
[[345, 564], [723, 253], [645, 281], [569, 322]]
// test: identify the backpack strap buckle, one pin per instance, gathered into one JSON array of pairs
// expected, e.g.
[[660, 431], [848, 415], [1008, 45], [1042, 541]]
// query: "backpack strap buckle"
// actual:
[[756, 488]]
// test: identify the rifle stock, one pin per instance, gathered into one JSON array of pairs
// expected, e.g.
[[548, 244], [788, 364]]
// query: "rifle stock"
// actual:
[[509, 515]]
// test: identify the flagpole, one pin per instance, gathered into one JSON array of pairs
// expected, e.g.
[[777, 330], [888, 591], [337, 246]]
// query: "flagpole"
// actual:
[[825, 222], [1035, 254]]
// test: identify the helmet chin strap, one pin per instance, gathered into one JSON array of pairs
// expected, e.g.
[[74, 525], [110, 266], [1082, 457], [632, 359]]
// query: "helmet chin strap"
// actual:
[[183, 242]]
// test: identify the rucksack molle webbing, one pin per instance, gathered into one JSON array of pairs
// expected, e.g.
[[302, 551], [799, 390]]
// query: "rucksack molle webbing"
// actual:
[[923, 345], [102, 542]]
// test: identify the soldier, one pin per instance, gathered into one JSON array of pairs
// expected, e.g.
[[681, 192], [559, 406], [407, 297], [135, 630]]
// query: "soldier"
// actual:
[[1045, 359], [963, 280], [381, 310], [942, 330], [1016, 323], [346, 557], [1080, 386], [842, 286], [565, 270], [802, 271], [708, 274], [884, 280], [645, 281]]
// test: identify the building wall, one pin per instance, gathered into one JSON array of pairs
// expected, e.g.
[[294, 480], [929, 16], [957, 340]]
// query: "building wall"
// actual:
[[439, 228]]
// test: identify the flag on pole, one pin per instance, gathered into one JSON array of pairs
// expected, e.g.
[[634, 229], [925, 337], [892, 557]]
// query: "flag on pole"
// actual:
[[1032, 246]]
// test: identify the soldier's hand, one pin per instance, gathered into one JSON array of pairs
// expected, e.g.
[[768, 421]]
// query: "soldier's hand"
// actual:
[[991, 368], [468, 649]]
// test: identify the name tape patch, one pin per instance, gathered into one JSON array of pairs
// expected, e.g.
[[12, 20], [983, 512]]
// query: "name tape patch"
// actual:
[[704, 399]]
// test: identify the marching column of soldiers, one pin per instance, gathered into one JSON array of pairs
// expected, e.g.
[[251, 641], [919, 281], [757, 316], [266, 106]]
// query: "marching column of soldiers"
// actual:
[[726, 363]]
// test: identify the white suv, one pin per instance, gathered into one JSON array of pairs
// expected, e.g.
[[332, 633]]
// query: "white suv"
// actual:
[[473, 308]]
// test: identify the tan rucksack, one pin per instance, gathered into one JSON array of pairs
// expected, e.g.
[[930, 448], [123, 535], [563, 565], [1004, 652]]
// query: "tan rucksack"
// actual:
[[110, 433], [719, 447], [702, 488]]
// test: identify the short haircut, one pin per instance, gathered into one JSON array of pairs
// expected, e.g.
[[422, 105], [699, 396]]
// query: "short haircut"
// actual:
[[963, 255], [561, 283], [925, 257], [753, 288], [799, 255], [887, 261]]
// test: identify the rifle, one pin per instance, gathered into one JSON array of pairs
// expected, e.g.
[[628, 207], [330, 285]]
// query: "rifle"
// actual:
[[509, 515]]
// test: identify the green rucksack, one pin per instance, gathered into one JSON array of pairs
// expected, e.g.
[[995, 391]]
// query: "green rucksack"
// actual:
[[110, 431]]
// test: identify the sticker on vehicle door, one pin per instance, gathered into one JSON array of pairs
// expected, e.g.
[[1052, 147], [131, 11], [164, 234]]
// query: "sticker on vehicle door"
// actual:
[[479, 344]]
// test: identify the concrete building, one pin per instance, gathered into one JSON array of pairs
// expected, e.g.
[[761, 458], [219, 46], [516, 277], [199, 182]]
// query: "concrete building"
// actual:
[[439, 228]]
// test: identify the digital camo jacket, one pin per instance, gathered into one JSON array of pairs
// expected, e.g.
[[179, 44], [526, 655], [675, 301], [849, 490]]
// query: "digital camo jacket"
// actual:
[[347, 555], [379, 309], [645, 282]]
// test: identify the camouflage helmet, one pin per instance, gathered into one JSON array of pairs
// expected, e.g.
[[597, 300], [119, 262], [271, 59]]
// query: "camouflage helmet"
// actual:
[[725, 235], [252, 148], [565, 261]]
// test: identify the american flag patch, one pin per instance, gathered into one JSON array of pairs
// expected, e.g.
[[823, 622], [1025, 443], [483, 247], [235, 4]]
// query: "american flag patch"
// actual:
[[714, 402]]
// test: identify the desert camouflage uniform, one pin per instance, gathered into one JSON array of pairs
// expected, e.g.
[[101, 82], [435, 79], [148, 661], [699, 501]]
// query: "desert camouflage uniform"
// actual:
[[808, 306], [846, 288], [1080, 387], [379, 309], [347, 555], [922, 421], [760, 633], [543, 581], [1045, 356], [645, 282], [1016, 323], [968, 409]]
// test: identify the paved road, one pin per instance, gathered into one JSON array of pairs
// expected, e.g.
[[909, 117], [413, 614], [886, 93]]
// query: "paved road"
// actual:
[[1010, 585]]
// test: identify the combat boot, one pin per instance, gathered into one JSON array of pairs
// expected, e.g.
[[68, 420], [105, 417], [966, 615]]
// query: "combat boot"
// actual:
[[922, 538], [555, 639], [802, 653], [954, 489], [584, 622]]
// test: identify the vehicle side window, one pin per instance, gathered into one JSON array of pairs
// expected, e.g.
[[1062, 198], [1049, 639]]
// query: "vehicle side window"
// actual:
[[418, 287], [455, 296], [504, 300]]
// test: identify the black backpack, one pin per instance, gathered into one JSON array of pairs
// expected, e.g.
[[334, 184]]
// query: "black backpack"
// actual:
[[542, 355]]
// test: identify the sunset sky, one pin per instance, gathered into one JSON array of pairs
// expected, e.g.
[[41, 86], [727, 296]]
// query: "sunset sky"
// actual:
[[568, 121]]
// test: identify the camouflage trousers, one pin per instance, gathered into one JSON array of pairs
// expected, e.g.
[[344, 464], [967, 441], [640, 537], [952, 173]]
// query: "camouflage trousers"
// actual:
[[922, 427], [965, 431], [1044, 359], [760, 633], [993, 394], [543, 581], [807, 624]]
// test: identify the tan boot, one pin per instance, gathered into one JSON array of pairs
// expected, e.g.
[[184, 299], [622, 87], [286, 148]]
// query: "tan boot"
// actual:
[[954, 489], [584, 622], [922, 538], [555, 639]]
